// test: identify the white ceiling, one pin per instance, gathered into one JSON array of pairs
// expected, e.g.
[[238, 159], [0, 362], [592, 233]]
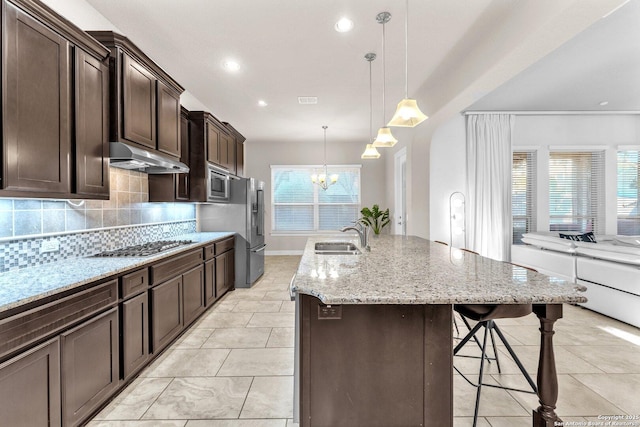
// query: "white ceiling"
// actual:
[[602, 63], [288, 48]]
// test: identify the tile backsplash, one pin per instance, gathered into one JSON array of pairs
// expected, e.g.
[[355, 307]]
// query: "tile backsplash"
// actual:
[[84, 227], [128, 205]]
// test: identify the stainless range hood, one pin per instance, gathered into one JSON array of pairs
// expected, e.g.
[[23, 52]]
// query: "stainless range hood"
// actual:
[[125, 156]]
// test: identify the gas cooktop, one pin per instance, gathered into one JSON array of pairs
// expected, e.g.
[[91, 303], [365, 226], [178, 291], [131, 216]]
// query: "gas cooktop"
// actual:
[[145, 249]]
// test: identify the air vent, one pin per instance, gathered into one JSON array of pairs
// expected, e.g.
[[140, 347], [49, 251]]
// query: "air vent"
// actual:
[[307, 100]]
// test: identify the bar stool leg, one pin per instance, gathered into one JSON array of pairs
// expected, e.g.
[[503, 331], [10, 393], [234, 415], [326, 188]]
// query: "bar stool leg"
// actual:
[[480, 375], [493, 343]]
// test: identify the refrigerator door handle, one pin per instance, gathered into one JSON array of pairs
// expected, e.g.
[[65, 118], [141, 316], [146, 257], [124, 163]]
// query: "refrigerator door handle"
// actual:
[[260, 249], [260, 197]]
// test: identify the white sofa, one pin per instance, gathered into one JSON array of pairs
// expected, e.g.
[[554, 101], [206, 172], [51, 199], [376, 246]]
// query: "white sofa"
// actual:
[[610, 269]]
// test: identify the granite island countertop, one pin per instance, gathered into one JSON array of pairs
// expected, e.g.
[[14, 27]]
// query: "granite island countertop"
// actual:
[[412, 270], [31, 284]]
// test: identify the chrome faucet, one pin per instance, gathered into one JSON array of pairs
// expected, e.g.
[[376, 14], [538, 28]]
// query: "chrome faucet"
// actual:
[[363, 232]]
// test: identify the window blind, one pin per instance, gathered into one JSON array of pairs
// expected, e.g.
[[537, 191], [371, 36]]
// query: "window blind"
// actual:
[[576, 191], [523, 194], [627, 191], [298, 205]]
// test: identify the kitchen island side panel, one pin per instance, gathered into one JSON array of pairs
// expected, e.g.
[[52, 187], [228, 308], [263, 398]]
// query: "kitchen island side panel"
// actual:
[[375, 365]]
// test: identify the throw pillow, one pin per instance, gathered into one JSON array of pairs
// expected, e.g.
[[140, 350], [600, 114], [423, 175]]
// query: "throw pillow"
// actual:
[[586, 237]]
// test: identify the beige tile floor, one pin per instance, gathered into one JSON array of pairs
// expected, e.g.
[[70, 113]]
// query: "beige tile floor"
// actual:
[[234, 368]]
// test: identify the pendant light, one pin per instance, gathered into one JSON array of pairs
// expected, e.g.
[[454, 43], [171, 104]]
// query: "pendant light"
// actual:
[[324, 180], [384, 138], [407, 113], [370, 151]]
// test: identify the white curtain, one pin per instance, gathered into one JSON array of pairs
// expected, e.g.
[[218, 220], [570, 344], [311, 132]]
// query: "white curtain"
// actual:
[[489, 184]]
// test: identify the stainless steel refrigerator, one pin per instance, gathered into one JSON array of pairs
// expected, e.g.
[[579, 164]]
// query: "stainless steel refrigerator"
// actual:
[[244, 214]]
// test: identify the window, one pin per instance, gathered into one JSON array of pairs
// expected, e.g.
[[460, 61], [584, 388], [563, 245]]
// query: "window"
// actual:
[[298, 205], [576, 191], [523, 194], [627, 206]]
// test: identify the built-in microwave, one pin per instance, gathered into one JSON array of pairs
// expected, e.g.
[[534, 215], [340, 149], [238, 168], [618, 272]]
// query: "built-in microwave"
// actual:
[[217, 184]]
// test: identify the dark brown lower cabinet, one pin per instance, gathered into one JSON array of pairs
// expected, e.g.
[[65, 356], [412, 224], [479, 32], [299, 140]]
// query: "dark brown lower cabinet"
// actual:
[[135, 334], [166, 312], [225, 272], [193, 294], [30, 387], [375, 365], [210, 282], [90, 366]]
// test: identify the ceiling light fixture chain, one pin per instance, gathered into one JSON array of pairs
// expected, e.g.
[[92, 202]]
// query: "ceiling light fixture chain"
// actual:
[[384, 138]]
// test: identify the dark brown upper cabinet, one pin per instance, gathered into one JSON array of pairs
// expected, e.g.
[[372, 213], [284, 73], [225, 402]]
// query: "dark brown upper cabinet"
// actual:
[[92, 126], [54, 142], [168, 120], [145, 107], [138, 103], [237, 141], [174, 187], [205, 139]]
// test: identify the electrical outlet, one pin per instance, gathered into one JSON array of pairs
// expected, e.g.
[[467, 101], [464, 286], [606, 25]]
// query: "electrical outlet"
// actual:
[[51, 245]]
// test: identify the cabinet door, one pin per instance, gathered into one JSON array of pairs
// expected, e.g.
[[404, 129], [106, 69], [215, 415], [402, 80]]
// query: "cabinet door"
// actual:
[[213, 144], [182, 179], [92, 128], [30, 388], [231, 154], [239, 159], [231, 269], [168, 125], [36, 105], [210, 282], [223, 150], [225, 272], [139, 109], [166, 312], [193, 293], [90, 366], [135, 334]]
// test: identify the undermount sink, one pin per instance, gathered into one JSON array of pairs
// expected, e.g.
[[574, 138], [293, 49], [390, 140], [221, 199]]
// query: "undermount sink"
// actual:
[[336, 248]]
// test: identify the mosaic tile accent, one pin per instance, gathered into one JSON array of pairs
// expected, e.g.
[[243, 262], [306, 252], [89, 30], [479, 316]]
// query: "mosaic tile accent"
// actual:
[[23, 253], [88, 226]]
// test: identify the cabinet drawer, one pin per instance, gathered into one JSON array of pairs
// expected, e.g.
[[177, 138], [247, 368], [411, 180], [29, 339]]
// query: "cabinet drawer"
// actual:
[[209, 252], [22, 329], [176, 265], [224, 245], [133, 283]]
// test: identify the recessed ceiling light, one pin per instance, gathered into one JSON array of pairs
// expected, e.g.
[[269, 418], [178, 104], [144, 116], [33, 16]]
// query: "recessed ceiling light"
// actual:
[[231, 65], [344, 25], [262, 103], [603, 103]]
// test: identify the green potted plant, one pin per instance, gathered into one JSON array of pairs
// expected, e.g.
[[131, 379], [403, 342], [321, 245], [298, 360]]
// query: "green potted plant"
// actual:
[[375, 218]]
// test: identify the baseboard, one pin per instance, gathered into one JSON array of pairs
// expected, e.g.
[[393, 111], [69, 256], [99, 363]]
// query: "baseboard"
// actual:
[[268, 253]]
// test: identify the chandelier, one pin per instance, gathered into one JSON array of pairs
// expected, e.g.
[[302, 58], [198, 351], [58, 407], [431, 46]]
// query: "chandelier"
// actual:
[[324, 180]]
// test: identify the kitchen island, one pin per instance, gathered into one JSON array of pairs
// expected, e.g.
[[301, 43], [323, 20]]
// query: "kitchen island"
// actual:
[[374, 331]]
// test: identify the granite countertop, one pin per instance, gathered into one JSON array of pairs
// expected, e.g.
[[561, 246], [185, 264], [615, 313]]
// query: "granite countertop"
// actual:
[[412, 270], [30, 284]]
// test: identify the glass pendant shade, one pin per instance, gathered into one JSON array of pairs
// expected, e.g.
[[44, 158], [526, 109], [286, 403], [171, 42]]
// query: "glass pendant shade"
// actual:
[[370, 152], [407, 114], [384, 138]]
